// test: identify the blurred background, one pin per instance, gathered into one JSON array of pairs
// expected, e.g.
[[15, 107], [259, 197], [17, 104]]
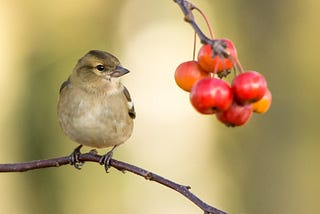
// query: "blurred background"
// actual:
[[270, 165]]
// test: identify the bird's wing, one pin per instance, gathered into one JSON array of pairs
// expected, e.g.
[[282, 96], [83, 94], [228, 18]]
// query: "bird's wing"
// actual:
[[64, 84], [132, 112]]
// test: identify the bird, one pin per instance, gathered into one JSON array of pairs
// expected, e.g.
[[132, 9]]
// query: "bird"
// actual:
[[94, 108]]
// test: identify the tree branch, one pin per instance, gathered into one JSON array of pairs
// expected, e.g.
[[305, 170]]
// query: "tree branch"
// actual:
[[218, 46], [122, 166], [187, 8]]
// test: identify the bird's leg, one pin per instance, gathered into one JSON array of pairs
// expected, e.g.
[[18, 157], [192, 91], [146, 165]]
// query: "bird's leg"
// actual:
[[74, 158], [105, 159]]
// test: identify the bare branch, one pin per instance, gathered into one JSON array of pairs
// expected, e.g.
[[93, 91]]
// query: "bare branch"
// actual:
[[187, 8], [218, 46], [122, 166]]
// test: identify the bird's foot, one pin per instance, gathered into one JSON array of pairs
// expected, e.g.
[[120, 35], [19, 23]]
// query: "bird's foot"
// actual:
[[105, 159], [93, 151], [74, 158]]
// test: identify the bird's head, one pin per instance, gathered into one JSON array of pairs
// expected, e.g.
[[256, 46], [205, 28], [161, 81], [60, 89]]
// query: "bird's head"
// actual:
[[96, 66]]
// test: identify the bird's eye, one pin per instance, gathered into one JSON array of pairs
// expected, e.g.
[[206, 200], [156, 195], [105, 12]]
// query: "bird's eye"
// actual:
[[100, 67]]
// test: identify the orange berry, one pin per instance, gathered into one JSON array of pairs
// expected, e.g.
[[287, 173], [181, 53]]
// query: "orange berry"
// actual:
[[188, 73], [217, 63], [263, 105]]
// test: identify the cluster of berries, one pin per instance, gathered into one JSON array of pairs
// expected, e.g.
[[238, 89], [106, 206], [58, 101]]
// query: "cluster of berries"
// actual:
[[233, 103]]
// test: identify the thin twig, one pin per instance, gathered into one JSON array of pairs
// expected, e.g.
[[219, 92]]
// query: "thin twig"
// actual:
[[218, 46], [187, 8], [122, 166]]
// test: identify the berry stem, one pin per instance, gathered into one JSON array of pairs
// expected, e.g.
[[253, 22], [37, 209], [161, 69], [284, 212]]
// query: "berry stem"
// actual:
[[206, 20], [194, 45], [239, 66]]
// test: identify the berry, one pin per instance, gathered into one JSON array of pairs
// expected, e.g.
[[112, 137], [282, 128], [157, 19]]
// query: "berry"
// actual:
[[236, 115], [263, 105], [210, 95], [217, 63], [188, 73], [249, 87]]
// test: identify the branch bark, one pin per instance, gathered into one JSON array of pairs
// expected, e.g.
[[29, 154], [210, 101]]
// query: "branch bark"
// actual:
[[218, 46], [122, 166]]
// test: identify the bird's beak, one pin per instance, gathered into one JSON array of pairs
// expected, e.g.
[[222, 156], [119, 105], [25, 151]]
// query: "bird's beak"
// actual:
[[119, 71]]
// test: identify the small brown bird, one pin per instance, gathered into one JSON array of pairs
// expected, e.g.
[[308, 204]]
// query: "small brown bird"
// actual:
[[94, 108]]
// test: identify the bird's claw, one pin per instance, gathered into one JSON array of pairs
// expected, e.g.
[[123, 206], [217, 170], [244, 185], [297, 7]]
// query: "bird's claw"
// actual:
[[105, 160], [74, 158]]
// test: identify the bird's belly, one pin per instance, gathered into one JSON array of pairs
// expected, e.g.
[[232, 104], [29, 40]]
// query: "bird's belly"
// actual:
[[98, 125]]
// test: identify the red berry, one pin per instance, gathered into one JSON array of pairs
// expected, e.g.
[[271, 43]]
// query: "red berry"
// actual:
[[263, 105], [210, 95], [188, 73], [236, 115], [249, 87], [217, 63]]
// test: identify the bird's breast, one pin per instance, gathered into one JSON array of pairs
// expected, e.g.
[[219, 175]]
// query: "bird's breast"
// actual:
[[96, 120]]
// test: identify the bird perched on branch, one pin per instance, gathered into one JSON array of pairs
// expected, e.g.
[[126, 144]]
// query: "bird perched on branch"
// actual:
[[94, 108]]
